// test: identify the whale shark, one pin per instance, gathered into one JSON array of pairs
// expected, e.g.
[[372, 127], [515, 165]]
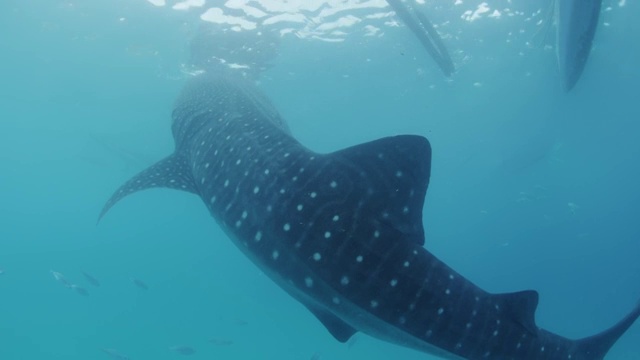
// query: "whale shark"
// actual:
[[342, 232]]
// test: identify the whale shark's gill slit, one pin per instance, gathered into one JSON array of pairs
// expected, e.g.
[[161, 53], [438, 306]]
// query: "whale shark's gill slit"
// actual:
[[172, 172]]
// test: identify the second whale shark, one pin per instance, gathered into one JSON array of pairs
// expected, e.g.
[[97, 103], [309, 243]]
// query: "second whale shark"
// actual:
[[342, 232]]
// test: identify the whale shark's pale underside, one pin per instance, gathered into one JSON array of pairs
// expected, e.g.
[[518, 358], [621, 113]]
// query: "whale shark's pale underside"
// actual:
[[342, 232]]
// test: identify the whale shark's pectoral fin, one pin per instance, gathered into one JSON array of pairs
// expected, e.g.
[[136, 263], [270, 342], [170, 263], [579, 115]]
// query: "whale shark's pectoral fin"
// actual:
[[171, 172], [521, 306], [340, 330]]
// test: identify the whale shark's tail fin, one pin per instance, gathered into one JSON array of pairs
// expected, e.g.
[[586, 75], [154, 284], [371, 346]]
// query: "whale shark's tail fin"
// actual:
[[171, 172], [596, 347]]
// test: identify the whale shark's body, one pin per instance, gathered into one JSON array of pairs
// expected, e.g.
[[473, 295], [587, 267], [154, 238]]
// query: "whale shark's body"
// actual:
[[342, 232]]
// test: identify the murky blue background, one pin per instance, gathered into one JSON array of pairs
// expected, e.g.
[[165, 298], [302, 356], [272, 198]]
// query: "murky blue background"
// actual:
[[531, 188]]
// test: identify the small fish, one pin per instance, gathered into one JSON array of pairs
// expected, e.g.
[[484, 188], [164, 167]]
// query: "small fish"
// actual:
[[59, 277], [91, 279], [573, 208], [1, 271], [139, 283], [80, 290], [315, 356], [183, 350], [114, 354], [221, 342], [240, 322]]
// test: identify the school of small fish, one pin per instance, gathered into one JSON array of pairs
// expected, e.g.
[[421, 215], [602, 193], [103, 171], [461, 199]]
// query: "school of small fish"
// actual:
[[112, 353]]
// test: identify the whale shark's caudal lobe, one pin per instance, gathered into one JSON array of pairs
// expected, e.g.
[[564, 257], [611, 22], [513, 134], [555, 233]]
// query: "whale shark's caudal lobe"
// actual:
[[342, 232]]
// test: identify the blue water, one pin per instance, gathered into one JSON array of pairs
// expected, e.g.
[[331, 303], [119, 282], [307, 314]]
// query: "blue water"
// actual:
[[532, 188]]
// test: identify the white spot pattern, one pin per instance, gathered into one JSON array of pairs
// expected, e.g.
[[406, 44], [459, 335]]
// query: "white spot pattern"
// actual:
[[308, 281]]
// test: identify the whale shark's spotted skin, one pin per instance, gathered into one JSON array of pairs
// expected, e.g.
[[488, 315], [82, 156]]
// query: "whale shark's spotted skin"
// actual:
[[342, 232]]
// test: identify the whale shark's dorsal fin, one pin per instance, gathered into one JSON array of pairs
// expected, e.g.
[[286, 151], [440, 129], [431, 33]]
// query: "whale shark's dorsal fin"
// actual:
[[398, 168], [171, 172], [521, 306]]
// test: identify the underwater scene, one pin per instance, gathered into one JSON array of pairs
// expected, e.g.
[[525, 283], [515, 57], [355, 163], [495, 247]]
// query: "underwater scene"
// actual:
[[319, 179]]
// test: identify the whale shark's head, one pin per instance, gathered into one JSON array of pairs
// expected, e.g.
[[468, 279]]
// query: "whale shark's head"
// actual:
[[200, 100], [211, 97], [245, 53], [228, 63]]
